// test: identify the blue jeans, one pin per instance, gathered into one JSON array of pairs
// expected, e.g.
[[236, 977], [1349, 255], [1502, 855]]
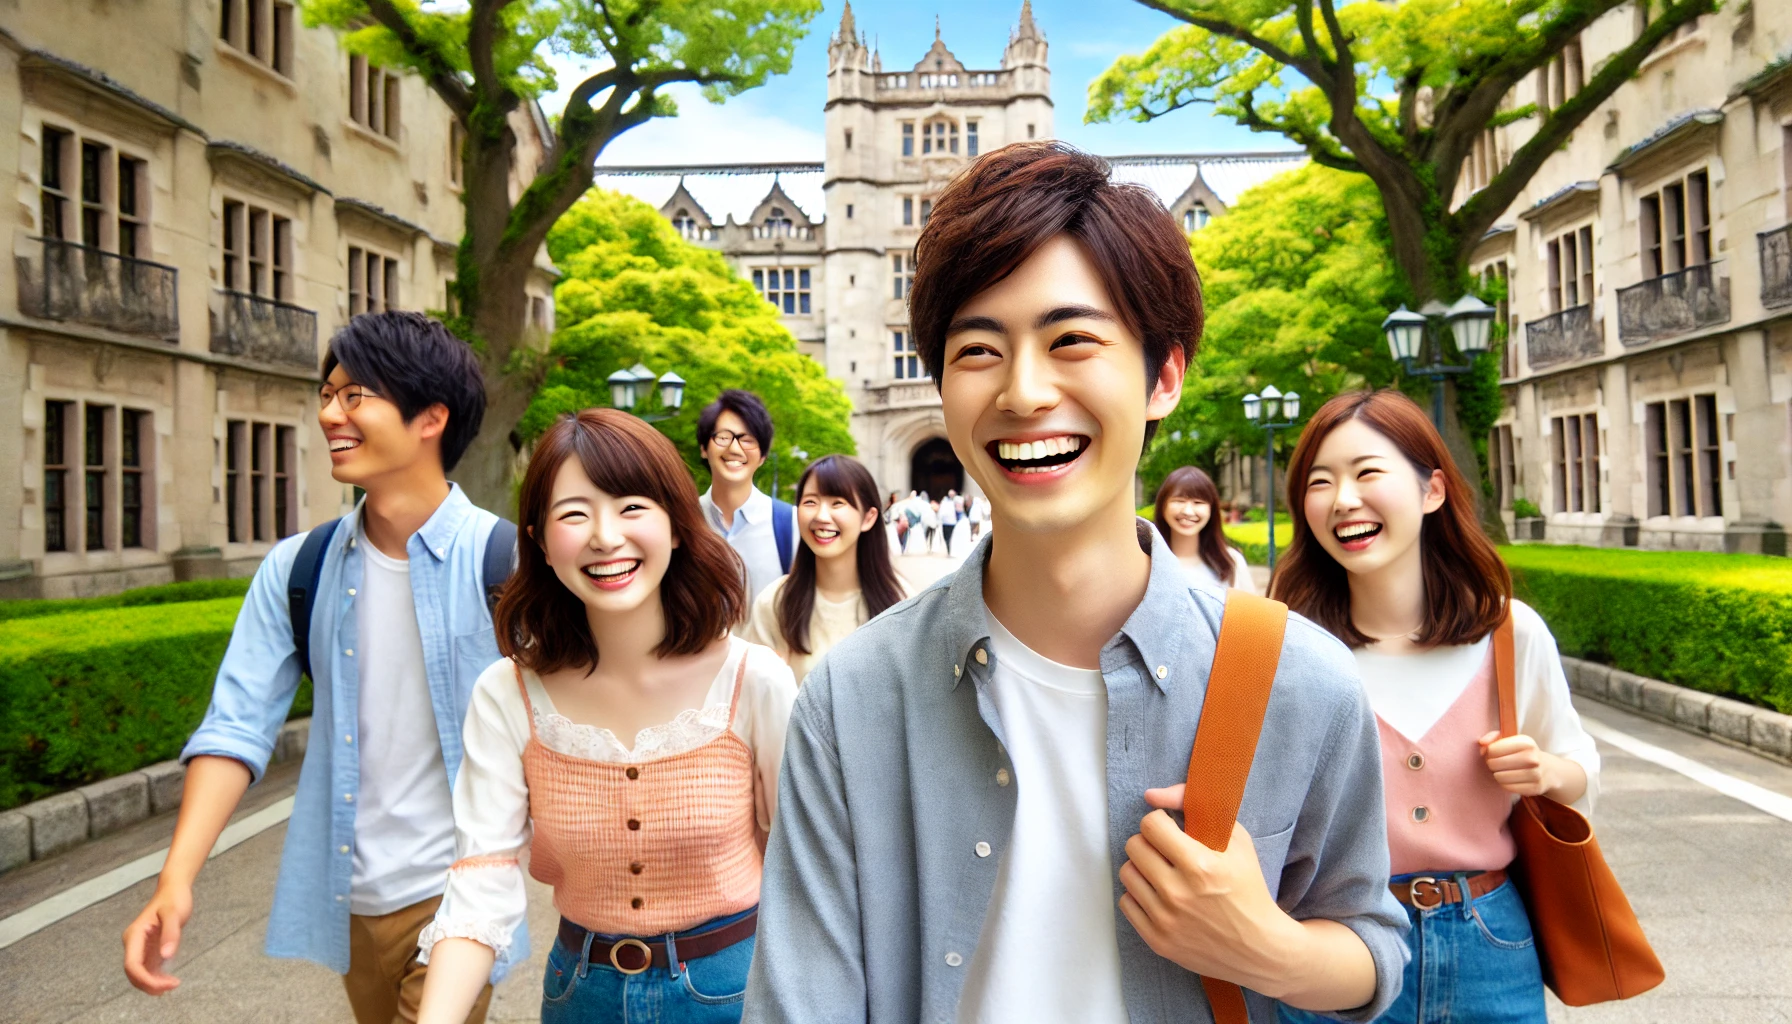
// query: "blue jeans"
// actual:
[[1473, 961], [581, 987]]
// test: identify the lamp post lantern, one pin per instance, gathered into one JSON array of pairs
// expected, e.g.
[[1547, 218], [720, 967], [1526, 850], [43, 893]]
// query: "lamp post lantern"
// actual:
[[1468, 319], [1271, 410], [629, 387]]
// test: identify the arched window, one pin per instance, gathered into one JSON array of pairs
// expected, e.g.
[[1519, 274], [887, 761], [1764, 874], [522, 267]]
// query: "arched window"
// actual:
[[777, 223], [1195, 218], [684, 224]]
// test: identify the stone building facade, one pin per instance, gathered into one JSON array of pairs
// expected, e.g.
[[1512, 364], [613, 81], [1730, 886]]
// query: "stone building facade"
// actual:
[[205, 191], [839, 271], [1648, 381]]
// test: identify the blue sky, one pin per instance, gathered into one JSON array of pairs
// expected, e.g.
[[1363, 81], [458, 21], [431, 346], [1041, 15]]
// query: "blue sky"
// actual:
[[782, 120]]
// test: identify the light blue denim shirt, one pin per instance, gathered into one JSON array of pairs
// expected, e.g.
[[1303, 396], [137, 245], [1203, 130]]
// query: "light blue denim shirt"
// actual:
[[260, 675], [874, 891]]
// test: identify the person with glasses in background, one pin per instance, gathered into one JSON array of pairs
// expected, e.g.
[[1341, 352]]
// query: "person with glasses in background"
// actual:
[[734, 433]]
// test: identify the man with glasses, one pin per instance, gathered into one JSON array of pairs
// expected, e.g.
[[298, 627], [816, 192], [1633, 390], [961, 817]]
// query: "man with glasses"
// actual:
[[393, 628], [735, 433]]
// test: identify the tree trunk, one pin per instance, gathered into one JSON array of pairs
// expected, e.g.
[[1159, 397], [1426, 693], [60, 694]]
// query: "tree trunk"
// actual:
[[487, 472]]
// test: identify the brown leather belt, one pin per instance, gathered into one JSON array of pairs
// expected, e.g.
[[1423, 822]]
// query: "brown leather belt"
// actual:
[[632, 955], [1428, 893]]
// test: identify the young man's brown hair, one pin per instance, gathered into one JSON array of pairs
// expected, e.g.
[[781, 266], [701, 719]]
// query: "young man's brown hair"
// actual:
[[1006, 205]]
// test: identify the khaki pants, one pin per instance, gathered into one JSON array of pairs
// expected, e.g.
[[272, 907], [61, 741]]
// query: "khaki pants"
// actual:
[[384, 979]]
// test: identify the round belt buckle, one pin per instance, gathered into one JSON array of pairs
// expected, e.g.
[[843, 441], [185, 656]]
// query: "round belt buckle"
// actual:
[[646, 956], [1412, 892]]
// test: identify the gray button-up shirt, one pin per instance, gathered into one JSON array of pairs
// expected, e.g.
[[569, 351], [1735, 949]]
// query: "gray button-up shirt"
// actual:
[[895, 776]]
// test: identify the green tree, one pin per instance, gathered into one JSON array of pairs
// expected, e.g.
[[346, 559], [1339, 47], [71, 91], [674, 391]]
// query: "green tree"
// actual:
[[1296, 280], [485, 59], [635, 291], [1398, 92]]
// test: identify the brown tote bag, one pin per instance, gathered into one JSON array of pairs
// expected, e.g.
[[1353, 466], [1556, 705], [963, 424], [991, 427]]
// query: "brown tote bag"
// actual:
[[1588, 938], [1244, 666]]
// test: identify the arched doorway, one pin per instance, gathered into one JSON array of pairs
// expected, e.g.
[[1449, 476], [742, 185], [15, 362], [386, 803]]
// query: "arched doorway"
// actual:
[[935, 469]]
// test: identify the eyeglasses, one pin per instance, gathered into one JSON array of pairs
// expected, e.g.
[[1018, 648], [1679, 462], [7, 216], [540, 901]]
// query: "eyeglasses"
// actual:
[[724, 438], [350, 394]]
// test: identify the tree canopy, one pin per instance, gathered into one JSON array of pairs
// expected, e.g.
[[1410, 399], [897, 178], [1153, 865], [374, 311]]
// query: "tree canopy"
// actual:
[[485, 59], [1296, 280], [635, 291]]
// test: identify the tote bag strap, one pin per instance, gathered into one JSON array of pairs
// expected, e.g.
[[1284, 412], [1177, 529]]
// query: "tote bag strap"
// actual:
[[1244, 667], [1504, 673]]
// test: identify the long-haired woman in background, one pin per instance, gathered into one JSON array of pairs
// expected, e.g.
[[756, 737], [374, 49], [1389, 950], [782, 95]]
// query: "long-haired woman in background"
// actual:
[[1389, 556], [1187, 514], [842, 574]]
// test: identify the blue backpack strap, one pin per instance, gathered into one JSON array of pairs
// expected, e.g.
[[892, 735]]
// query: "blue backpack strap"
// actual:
[[500, 556], [784, 532], [301, 588]]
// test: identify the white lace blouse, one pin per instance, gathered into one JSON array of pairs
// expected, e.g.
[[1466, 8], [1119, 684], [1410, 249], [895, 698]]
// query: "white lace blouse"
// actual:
[[485, 899]]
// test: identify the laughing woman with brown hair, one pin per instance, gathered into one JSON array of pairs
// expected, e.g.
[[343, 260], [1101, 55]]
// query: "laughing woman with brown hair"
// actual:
[[1388, 556], [615, 626]]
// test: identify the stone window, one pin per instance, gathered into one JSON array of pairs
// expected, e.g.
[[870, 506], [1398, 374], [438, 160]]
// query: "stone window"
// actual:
[[902, 273], [372, 97], [784, 287], [926, 211], [1499, 273], [54, 184], [372, 281], [1195, 218], [939, 137], [908, 211], [262, 29], [1683, 457], [849, 138], [257, 251], [1676, 225], [56, 476], [95, 466], [970, 138], [1570, 267], [1576, 450], [908, 361], [259, 486], [132, 436], [285, 457], [89, 192], [908, 138]]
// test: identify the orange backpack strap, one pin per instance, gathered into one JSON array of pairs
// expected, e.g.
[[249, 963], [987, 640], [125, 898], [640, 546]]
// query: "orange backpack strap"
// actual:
[[1244, 667], [1503, 672]]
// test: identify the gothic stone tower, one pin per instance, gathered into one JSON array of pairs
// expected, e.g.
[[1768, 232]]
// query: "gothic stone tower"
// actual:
[[894, 139]]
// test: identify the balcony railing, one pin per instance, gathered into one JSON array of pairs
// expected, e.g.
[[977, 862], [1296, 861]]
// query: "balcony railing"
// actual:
[[73, 282], [1776, 266], [1563, 337], [259, 328], [1673, 304], [783, 229], [898, 394]]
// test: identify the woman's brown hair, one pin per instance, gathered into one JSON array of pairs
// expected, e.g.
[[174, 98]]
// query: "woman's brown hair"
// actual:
[[540, 624], [1467, 587], [1193, 483]]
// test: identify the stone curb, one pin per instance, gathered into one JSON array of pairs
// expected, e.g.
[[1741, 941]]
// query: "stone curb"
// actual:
[[1752, 728], [56, 823]]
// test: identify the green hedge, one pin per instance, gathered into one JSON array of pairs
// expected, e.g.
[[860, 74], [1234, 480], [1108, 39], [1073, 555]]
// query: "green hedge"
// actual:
[[167, 593], [1253, 539], [1712, 622], [89, 695]]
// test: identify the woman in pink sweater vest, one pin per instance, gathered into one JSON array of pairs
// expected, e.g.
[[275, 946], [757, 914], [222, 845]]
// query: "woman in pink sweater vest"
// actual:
[[1388, 555], [615, 624]]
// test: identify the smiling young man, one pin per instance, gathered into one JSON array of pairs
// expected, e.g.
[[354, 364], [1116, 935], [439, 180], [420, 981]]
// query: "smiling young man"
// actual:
[[399, 632], [734, 433], [967, 828]]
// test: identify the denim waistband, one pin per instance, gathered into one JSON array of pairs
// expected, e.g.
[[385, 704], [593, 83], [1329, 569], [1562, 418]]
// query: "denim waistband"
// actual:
[[707, 926]]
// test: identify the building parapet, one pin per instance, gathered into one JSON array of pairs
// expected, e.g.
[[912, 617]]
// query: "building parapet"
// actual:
[[1676, 303], [1562, 337], [263, 330], [902, 394], [62, 280]]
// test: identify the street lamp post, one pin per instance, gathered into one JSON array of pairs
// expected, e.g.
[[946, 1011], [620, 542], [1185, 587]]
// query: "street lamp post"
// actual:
[[628, 387], [1264, 410], [1471, 322]]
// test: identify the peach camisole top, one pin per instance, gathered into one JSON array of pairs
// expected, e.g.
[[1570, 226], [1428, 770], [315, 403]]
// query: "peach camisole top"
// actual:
[[648, 847], [1445, 811]]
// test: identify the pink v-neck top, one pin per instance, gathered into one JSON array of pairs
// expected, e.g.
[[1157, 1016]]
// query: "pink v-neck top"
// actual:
[[1445, 811]]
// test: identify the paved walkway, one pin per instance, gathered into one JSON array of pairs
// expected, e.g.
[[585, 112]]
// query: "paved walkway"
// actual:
[[1705, 872]]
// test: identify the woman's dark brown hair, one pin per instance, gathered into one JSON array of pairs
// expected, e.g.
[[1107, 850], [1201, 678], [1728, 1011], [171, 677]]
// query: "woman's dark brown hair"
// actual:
[[1011, 201], [540, 624], [1467, 587], [1191, 482], [838, 476]]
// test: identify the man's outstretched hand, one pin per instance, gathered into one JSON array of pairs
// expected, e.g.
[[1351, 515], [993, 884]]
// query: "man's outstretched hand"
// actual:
[[154, 937]]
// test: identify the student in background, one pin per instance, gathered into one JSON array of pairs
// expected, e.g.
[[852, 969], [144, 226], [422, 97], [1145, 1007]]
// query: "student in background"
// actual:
[[1389, 556], [627, 742], [402, 627], [734, 433], [842, 577], [1185, 514]]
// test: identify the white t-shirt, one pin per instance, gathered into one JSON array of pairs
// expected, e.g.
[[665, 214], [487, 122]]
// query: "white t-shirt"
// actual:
[[404, 815], [1048, 950]]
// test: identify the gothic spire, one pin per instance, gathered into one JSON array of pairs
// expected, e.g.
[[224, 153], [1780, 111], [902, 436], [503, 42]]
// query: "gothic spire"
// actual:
[[848, 30], [1028, 30]]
